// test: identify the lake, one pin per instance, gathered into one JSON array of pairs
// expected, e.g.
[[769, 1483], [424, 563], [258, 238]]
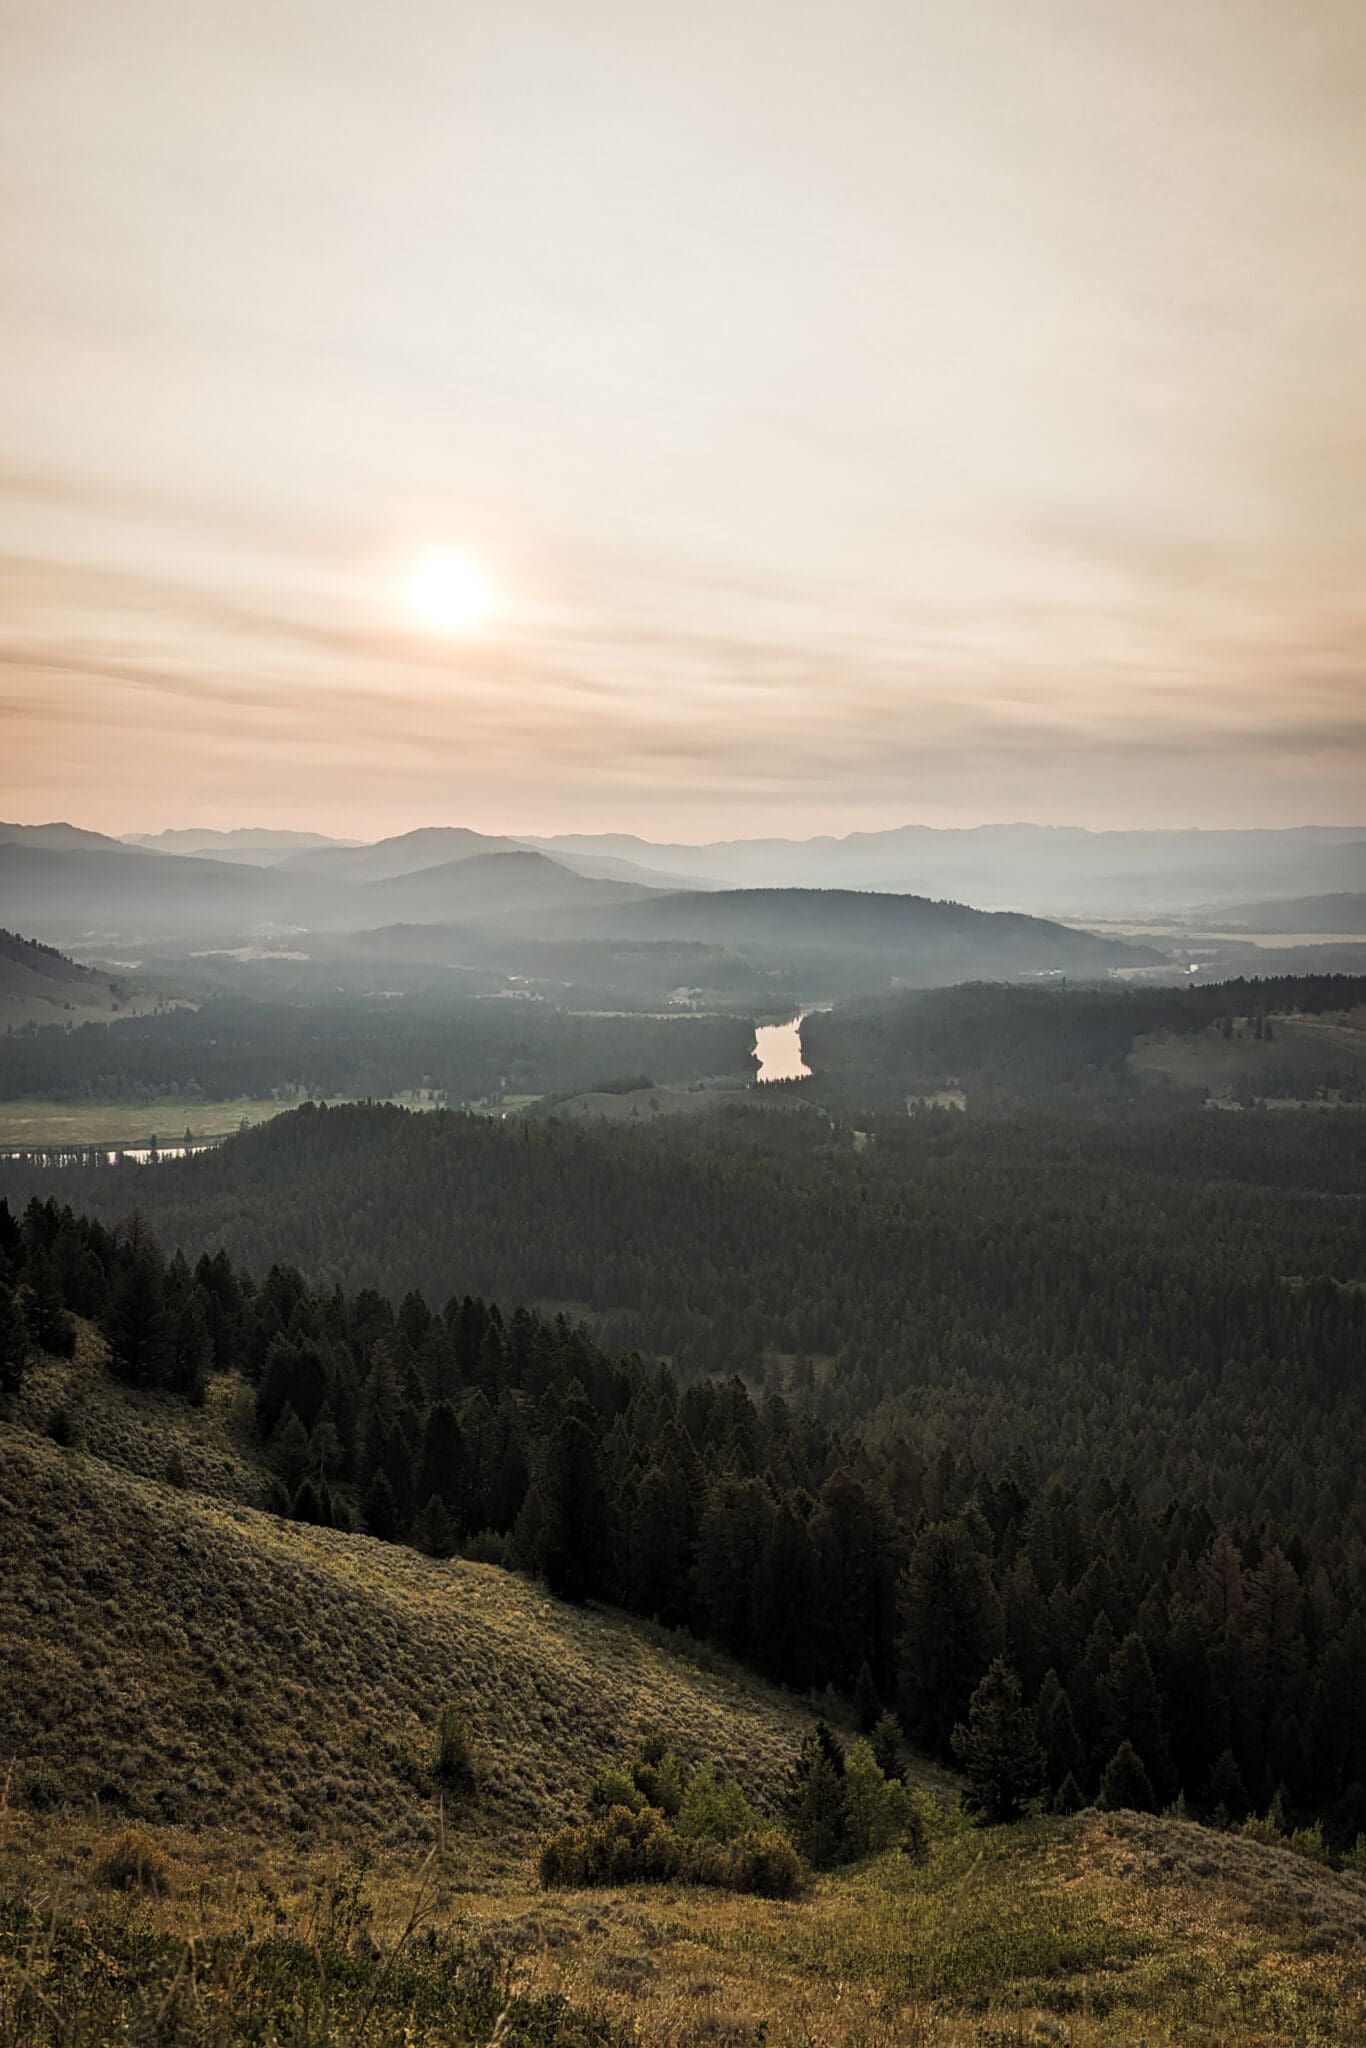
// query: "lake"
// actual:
[[778, 1049]]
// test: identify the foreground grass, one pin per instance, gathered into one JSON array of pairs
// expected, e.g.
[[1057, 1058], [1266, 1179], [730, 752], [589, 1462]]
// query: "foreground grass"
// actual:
[[257, 1700], [65, 1984], [1096, 1931]]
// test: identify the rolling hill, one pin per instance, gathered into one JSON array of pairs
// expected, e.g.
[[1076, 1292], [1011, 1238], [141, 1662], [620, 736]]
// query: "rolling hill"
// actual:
[[39, 985], [257, 1700], [512, 883], [1338, 914], [909, 938]]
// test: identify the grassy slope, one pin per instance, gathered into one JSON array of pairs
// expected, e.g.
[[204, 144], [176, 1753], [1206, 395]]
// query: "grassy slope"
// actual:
[[262, 1696], [1318, 1048]]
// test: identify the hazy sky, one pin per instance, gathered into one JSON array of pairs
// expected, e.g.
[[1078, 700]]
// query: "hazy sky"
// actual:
[[861, 412]]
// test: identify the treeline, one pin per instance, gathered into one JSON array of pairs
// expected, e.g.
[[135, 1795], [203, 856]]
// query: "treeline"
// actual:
[[1000, 1039], [1175, 1301], [1224, 1653], [467, 1051]]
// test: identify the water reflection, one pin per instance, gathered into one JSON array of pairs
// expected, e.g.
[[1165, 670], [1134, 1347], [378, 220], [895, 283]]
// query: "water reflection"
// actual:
[[778, 1049]]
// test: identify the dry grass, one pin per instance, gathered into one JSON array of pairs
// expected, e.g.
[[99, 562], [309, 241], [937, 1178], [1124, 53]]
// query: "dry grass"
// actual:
[[257, 1702], [192, 1662]]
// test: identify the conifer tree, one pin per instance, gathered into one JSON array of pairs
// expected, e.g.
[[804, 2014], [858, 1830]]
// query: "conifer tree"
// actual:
[[13, 1343], [950, 1631], [1125, 1782], [434, 1532], [378, 1510], [1226, 1794], [817, 1804], [867, 1705], [49, 1326], [888, 1747], [998, 1748]]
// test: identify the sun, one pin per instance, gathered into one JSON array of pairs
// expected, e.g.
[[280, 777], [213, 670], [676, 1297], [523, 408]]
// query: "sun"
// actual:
[[448, 593]]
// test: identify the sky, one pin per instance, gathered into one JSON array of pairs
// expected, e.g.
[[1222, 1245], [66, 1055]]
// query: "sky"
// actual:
[[855, 413]]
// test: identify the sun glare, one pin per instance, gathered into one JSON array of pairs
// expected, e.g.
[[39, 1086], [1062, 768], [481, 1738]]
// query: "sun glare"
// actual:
[[448, 593]]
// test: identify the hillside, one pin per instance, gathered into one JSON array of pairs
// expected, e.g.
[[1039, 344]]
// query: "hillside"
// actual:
[[1340, 914], [511, 883], [910, 938], [259, 1698], [39, 985]]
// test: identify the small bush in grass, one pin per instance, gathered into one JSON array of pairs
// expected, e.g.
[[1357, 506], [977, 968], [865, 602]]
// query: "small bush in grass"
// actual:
[[621, 1848], [132, 1863], [455, 1765], [641, 1848], [486, 1546]]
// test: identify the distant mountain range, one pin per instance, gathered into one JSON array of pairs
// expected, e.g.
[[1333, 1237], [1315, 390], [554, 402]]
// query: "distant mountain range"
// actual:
[[1056, 871], [480, 898], [893, 901]]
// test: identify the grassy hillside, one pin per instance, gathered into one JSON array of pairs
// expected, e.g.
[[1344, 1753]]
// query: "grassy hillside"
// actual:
[[190, 1661], [258, 1699], [39, 985]]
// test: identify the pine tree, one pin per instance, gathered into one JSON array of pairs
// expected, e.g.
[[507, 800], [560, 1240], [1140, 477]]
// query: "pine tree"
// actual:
[[188, 1350], [49, 1326], [438, 1464], [867, 1705], [574, 1541], [1125, 1782], [138, 1327], [1062, 1749], [950, 1631], [13, 1343], [288, 1451], [998, 1748], [378, 1510], [306, 1508], [1226, 1795], [817, 1804], [434, 1532], [1132, 1709], [1067, 1798], [888, 1746]]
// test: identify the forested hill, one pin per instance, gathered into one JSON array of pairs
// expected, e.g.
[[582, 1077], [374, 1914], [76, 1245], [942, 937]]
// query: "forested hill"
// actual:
[[1154, 1647], [997, 1040], [1158, 1294], [912, 937]]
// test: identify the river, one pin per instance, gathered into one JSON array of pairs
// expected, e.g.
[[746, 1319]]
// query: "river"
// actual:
[[69, 1154], [778, 1049]]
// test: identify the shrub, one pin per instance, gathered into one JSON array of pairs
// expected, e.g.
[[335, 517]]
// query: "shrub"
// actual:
[[763, 1862], [659, 1778], [486, 1546], [613, 1788], [133, 1863], [715, 1809], [621, 1848], [455, 1764], [641, 1848]]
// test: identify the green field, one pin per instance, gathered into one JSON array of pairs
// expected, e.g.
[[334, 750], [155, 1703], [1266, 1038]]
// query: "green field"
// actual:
[[133, 1123]]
